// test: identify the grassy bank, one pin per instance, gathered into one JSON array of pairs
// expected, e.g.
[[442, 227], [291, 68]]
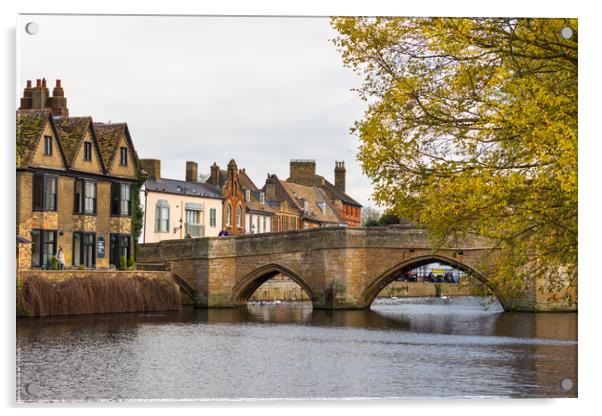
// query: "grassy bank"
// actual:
[[46, 293]]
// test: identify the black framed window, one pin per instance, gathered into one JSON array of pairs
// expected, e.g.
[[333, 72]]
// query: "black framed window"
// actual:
[[48, 145], [87, 151], [85, 197], [44, 192], [120, 247], [43, 248], [123, 156], [84, 249], [121, 199]]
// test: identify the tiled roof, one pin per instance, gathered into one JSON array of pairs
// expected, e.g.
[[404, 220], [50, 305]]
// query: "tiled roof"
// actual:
[[109, 136], [72, 131], [254, 204], [173, 186], [338, 194], [30, 125], [246, 182], [313, 195]]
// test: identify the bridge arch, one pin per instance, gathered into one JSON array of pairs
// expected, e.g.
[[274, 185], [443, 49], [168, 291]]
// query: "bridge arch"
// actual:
[[375, 286], [244, 289], [184, 286]]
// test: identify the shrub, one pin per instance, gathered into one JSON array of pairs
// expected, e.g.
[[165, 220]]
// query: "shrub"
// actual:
[[81, 267], [55, 263], [123, 263], [131, 262]]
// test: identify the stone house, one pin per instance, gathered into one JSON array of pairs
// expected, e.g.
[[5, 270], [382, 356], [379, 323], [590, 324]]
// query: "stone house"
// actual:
[[234, 204], [174, 209], [303, 172], [74, 184]]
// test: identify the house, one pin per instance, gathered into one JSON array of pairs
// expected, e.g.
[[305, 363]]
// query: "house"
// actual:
[[303, 172], [258, 213], [74, 184], [299, 206], [175, 209], [234, 203]]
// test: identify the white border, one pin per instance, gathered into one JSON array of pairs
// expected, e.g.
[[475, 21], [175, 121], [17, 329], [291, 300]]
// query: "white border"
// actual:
[[589, 203]]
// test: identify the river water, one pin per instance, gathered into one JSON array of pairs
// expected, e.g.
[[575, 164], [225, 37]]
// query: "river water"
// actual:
[[411, 348]]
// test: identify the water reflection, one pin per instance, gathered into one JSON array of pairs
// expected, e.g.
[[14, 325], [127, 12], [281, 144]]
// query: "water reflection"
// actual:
[[414, 348]]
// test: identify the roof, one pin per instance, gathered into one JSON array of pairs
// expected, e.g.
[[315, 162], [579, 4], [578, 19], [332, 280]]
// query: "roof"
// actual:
[[30, 125], [72, 131], [254, 204], [336, 192], [246, 182], [173, 186], [314, 196], [109, 136]]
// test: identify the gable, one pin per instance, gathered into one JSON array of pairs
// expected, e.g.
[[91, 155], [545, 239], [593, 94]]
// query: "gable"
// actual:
[[116, 168], [80, 164], [40, 159]]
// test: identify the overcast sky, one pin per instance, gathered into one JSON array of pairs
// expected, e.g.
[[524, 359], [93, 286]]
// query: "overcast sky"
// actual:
[[259, 90]]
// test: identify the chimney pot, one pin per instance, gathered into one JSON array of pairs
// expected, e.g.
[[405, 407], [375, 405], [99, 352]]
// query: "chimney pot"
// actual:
[[58, 83], [43, 82], [38, 82], [28, 83], [192, 169]]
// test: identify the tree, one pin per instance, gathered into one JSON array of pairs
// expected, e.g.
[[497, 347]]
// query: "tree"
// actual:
[[370, 216], [471, 127], [137, 211]]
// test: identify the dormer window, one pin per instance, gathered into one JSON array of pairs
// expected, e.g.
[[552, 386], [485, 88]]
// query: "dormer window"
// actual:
[[305, 205], [247, 195], [123, 156], [48, 145], [322, 206], [87, 151], [262, 197]]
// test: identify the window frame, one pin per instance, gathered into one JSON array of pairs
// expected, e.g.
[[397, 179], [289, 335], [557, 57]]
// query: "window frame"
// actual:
[[88, 151], [79, 202], [39, 192], [159, 219], [116, 200], [212, 217], [239, 216], [123, 156], [229, 214], [48, 146], [43, 236]]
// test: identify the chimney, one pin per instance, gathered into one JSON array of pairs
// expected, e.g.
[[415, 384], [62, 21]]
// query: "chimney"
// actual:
[[192, 171], [152, 167], [39, 95], [214, 178], [303, 172], [58, 102], [339, 175], [26, 99], [270, 187]]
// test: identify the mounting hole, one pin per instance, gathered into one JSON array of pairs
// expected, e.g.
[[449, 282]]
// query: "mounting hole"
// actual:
[[566, 384], [566, 32], [32, 388], [32, 28]]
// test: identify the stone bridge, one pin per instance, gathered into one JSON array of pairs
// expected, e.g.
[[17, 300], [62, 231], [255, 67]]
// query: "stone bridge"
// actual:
[[339, 268]]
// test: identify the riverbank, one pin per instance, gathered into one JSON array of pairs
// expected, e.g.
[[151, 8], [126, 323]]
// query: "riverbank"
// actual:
[[51, 293]]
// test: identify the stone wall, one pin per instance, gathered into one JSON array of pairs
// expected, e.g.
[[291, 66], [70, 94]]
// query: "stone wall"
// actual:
[[49, 293]]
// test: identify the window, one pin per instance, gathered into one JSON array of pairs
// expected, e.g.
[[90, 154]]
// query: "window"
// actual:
[[87, 151], [121, 199], [322, 206], [212, 217], [85, 197], [247, 195], [239, 216], [162, 216], [120, 247], [43, 248], [265, 230], [123, 156], [44, 192], [48, 145], [261, 197], [84, 249], [229, 214], [193, 223]]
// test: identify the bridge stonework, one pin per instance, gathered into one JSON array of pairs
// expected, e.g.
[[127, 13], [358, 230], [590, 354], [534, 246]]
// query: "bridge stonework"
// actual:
[[340, 268]]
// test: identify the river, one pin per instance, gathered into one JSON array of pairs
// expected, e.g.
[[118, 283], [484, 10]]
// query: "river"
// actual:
[[410, 348]]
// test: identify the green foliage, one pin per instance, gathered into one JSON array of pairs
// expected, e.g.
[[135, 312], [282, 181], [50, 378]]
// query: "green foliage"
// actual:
[[137, 212], [54, 262], [81, 267], [471, 128], [123, 263], [131, 262]]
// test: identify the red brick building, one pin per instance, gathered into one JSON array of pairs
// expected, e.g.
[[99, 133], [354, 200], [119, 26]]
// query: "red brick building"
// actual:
[[234, 199]]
